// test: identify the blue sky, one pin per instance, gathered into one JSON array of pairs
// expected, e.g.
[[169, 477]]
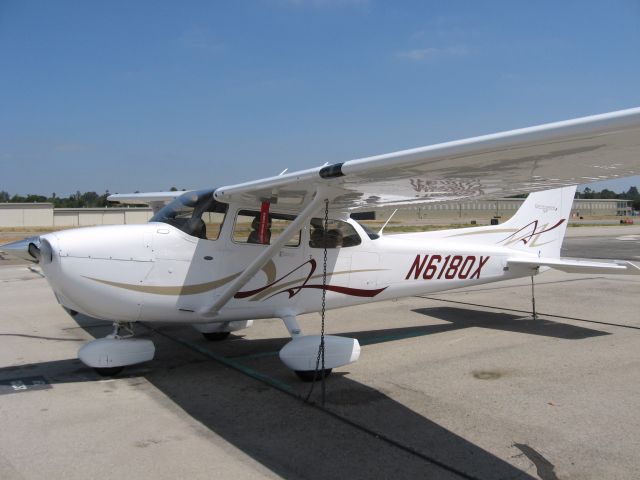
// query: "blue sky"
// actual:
[[144, 95]]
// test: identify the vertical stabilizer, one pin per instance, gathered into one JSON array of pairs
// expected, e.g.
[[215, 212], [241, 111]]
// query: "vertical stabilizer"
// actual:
[[537, 228], [540, 223]]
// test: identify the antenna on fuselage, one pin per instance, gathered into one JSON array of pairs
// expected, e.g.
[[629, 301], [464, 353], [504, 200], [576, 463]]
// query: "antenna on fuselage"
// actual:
[[388, 220]]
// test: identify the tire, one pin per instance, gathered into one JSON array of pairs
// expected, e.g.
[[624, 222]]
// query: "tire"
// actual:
[[216, 336], [108, 371], [307, 375]]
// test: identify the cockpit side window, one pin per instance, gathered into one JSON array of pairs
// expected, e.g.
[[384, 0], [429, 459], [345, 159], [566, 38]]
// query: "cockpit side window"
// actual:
[[247, 228], [195, 213], [338, 234]]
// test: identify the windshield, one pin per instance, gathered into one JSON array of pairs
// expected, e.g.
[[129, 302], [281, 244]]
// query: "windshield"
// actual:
[[195, 213]]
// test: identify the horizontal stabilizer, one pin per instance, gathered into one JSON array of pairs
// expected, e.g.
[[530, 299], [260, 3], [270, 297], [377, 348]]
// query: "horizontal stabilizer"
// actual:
[[144, 198], [576, 266], [156, 200]]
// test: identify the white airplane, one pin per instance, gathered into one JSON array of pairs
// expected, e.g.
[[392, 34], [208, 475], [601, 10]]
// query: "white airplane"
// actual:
[[220, 258]]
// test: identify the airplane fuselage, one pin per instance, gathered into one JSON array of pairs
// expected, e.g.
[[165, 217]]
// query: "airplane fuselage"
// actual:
[[156, 272]]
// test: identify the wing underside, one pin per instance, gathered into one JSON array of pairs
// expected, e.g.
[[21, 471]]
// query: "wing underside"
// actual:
[[519, 161]]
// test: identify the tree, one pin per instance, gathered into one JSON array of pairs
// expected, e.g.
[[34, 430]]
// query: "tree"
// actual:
[[102, 200], [4, 196], [31, 198], [588, 193], [90, 199], [607, 194]]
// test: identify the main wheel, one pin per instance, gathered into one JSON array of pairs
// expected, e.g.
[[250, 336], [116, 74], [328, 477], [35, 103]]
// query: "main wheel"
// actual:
[[108, 371], [216, 336], [308, 375]]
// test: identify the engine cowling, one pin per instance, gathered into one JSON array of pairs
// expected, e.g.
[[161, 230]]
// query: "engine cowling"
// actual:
[[301, 353]]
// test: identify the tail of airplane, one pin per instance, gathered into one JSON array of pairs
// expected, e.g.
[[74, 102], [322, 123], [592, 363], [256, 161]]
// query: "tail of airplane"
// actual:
[[540, 223], [538, 227]]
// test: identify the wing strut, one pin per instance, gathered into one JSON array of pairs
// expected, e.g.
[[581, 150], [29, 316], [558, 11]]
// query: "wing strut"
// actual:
[[212, 309]]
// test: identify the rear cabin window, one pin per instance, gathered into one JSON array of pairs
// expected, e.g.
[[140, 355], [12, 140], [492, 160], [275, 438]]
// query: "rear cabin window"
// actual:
[[247, 228], [339, 234]]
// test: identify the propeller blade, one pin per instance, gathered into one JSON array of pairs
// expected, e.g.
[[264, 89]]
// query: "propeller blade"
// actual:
[[25, 249]]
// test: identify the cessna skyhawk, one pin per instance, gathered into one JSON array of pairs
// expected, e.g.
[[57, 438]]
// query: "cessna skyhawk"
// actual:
[[220, 258]]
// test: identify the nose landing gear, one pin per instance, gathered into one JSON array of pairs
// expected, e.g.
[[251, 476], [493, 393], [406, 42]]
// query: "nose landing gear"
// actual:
[[109, 355]]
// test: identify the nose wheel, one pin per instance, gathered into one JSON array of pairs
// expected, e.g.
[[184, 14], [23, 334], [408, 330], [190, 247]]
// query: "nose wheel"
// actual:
[[109, 355]]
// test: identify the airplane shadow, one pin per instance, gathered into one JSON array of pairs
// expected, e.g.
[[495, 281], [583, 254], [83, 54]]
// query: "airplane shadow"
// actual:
[[296, 440], [467, 318], [456, 318]]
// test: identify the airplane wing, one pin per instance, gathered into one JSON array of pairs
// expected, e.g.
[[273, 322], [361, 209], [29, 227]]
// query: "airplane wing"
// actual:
[[156, 200], [576, 266], [557, 154]]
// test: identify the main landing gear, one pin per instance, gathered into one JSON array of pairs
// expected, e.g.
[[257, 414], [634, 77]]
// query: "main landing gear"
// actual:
[[301, 353], [216, 336], [217, 331], [109, 355]]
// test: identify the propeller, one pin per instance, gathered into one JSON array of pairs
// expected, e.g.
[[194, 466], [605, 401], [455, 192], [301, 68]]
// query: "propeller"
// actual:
[[25, 249]]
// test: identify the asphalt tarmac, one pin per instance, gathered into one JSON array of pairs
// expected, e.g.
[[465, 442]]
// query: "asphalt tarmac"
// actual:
[[456, 385], [621, 243]]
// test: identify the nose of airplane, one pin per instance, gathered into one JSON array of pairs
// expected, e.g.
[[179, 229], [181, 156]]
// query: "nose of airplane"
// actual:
[[26, 249]]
